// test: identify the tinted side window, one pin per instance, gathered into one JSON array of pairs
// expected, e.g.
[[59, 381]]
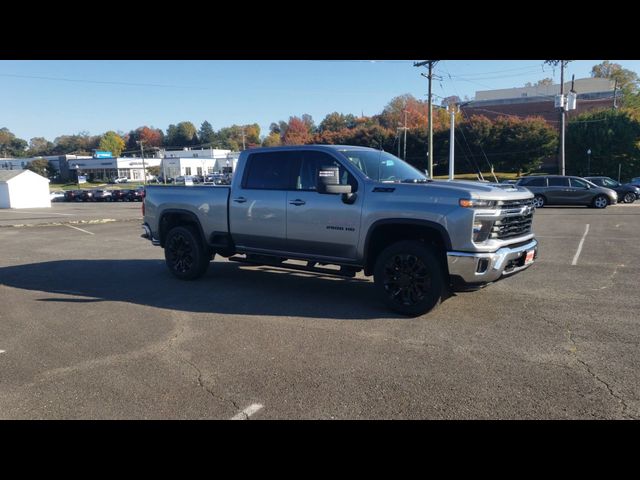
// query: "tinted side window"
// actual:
[[576, 182], [535, 182], [558, 182], [268, 171], [306, 171]]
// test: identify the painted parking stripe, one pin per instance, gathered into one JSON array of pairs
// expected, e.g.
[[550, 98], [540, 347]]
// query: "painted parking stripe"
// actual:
[[2, 351], [76, 228], [43, 213], [575, 258], [247, 412]]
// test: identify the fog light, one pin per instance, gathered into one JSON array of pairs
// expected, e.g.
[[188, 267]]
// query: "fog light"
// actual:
[[481, 230], [483, 264]]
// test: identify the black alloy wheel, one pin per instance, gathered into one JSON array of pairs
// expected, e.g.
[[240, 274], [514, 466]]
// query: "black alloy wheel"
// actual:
[[184, 253], [409, 277]]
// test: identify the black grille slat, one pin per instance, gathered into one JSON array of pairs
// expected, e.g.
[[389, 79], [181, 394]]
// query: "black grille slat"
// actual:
[[508, 204], [512, 226]]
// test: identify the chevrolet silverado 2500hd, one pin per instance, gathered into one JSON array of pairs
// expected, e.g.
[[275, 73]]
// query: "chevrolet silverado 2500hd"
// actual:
[[344, 209]]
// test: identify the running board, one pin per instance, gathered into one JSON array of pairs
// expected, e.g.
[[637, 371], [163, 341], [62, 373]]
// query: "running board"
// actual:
[[344, 271]]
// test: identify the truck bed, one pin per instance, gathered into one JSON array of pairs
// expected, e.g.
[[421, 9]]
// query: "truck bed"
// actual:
[[208, 202]]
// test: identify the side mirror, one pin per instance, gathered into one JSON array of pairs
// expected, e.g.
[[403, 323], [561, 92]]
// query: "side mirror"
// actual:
[[328, 182]]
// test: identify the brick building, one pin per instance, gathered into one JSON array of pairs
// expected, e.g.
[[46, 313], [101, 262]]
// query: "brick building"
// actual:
[[592, 94]]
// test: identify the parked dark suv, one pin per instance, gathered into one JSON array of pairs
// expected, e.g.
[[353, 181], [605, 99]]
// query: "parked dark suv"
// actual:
[[626, 192], [565, 190]]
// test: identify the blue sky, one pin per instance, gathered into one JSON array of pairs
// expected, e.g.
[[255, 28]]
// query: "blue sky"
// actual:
[[51, 98]]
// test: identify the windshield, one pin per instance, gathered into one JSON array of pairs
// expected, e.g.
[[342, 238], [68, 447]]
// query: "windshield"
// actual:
[[384, 167], [607, 182]]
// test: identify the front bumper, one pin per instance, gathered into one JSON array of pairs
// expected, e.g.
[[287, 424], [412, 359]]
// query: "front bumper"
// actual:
[[478, 269]]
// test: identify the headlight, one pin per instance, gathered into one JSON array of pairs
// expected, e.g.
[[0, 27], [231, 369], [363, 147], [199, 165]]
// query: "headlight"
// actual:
[[475, 203]]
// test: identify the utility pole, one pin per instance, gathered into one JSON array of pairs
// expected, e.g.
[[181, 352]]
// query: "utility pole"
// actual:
[[452, 150], [562, 117], [405, 136], [615, 91], [243, 147], [144, 167], [430, 63]]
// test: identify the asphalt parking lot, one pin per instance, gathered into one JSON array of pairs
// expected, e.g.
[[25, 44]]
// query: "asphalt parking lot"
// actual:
[[93, 326]]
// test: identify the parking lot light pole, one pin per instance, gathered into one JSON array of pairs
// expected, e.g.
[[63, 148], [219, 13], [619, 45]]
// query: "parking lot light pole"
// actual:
[[588, 162]]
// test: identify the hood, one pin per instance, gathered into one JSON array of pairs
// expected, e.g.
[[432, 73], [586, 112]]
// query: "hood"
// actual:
[[483, 190]]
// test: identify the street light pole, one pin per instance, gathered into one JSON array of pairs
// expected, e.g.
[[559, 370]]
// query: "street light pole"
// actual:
[[144, 167], [588, 162]]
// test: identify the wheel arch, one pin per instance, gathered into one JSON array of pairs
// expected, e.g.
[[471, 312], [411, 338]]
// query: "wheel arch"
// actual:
[[171, 218], [385, 232]]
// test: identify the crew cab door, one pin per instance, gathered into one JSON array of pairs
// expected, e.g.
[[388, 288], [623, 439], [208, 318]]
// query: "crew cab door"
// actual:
[[322, 225], [257, 206]]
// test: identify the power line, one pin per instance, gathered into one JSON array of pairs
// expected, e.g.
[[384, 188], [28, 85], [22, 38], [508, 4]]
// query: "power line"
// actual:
[[103, 82]]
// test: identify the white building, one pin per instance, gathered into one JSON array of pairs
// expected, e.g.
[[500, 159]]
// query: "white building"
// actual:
[[23, 189], [109, 168], [203, 162]]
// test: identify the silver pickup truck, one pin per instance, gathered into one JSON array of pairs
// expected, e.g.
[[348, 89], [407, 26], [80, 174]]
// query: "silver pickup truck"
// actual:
[[340, 210]]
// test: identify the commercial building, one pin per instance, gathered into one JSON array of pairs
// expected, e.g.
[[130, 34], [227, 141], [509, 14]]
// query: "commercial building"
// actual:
[[592, 94], [109, 168], [176, 163]]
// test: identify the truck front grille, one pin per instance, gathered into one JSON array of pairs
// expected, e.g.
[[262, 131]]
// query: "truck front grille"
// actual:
[[512, 226]]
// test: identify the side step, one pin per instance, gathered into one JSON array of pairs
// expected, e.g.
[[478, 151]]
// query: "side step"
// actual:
[[345, 271]]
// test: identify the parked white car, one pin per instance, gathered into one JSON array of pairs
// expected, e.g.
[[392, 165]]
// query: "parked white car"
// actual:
[[121, 180], [57, 196]]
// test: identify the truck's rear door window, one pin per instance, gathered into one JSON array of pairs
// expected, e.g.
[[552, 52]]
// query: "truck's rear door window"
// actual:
[[268, 171]]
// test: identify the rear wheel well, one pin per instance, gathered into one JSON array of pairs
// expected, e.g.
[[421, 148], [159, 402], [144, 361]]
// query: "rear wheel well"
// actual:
[[178, 219], [388, 234]]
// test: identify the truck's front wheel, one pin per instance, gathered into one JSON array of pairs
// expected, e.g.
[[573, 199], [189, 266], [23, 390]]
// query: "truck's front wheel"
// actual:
[[184, 253], [409, 278]]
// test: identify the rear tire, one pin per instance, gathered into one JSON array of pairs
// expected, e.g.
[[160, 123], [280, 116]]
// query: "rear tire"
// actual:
[[629, 197], [185, 254], [409, 278], [600, 201]]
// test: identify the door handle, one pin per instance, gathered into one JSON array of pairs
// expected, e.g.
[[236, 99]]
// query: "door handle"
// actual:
[[240, 200], [297, 202]]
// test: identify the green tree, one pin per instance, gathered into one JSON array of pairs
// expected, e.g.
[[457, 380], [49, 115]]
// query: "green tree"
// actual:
[[184, 134], [627, 81], [39, 146], [10, 145], [334, 122], [112, 142], [41, 167], [207, 134], [613, 136]]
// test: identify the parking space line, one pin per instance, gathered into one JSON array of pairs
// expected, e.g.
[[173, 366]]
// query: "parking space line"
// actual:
[[76, 228], [42, 213], [2, 351], [575, 258], [247, 412]]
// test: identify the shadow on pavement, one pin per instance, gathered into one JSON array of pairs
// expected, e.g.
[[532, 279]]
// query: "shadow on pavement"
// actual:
[[227, 288]]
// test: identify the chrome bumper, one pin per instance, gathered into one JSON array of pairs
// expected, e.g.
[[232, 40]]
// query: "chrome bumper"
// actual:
[[479, 268]]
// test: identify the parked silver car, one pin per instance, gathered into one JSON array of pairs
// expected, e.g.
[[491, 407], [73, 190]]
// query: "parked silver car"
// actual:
[[566, 190]]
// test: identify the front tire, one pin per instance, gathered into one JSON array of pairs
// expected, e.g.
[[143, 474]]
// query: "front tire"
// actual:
[[185, 254], [600, 202], [539, 201], [409, 278]]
